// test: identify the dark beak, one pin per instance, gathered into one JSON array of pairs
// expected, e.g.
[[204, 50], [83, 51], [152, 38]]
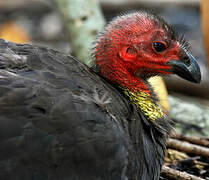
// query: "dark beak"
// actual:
[[187, 68]]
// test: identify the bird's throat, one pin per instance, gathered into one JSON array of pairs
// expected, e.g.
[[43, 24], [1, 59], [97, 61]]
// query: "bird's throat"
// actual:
[[136, 88], [144, 100]]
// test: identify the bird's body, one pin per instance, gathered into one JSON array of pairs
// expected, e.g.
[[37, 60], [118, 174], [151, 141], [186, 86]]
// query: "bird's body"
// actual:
[[60, 120]]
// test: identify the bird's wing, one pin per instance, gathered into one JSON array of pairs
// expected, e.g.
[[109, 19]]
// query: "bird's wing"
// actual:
[[58, 120]]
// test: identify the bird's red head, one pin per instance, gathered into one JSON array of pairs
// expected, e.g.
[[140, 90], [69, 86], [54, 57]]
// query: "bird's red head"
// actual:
[[136, 46]]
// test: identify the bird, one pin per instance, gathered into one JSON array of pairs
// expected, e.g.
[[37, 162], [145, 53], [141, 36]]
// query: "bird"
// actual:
[[61, 120]]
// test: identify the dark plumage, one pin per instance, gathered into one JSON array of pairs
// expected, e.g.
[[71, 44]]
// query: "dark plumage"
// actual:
[[54, 123], [59, 120]]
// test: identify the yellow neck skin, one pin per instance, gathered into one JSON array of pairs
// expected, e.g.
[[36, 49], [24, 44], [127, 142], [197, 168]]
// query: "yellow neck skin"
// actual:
[[143, 101]]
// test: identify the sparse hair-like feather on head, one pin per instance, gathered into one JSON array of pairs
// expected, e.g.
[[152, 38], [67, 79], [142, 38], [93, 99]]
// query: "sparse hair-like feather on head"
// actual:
[[138, 44]]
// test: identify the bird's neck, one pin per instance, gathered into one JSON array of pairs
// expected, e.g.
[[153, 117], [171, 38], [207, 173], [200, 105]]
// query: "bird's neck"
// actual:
[[139, 92], [146, 103], [118, 74], [136, 88]]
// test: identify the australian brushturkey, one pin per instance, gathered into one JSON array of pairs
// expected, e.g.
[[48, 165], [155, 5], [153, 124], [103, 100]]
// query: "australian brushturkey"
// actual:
[[60, 120]]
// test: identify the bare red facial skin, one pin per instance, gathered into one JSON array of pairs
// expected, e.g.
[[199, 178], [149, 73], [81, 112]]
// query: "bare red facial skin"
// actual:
[[125, 54]]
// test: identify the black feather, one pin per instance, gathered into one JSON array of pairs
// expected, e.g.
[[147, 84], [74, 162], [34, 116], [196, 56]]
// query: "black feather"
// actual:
[[55, 122]]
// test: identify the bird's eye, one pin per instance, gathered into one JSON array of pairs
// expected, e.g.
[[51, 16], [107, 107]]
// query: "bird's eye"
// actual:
[[159, 46], [128, 53]]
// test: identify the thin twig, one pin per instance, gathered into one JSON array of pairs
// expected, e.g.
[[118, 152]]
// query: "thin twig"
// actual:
[[191, 139], [187, 147], [175, 174]]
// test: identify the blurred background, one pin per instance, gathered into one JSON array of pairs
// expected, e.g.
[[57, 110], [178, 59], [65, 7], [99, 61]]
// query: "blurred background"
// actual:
[[61, 24]]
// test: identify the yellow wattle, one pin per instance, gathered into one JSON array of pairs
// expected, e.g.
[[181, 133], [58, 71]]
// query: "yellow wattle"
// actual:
[[159, 88], [143, 101]]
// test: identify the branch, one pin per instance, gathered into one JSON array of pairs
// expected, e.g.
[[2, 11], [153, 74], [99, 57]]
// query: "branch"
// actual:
[[175, 174], [191, 139], [83, 20], [187, 147]]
